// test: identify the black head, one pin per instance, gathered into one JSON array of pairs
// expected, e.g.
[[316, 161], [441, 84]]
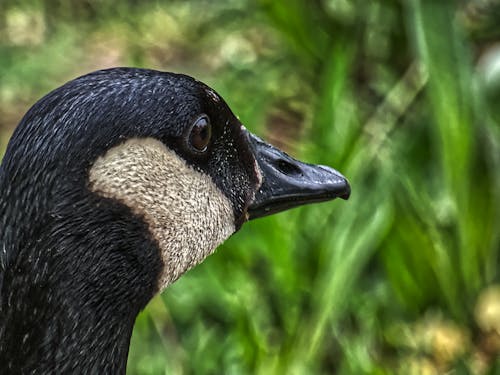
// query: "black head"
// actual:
[[52, 152], [75, 124], [72, 126]]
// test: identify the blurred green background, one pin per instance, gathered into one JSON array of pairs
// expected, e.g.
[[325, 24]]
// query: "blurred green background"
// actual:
[[403, 97]]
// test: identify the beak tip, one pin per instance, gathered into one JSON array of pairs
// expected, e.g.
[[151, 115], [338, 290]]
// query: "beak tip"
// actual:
[[347, 191]]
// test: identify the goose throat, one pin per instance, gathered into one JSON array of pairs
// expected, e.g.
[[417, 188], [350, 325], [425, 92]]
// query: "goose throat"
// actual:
[[187, 214]]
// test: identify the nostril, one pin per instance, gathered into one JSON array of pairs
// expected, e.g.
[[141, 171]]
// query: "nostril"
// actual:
[[288, 168]]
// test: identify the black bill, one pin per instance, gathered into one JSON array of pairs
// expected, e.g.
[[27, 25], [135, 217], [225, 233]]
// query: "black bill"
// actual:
[[288, 183]]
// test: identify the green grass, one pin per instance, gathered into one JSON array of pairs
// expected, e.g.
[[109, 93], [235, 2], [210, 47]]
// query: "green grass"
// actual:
[[390, 93]]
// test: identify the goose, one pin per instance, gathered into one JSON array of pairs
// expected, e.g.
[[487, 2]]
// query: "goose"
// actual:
[[111, 187]]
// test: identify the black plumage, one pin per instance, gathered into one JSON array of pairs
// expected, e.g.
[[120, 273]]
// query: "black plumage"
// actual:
[[76, 267], [70, 258]]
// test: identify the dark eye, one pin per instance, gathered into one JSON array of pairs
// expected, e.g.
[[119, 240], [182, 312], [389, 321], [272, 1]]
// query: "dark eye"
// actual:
[[200, 134]]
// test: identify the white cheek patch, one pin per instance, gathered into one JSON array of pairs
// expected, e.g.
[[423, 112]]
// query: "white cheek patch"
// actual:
[[185, 211]]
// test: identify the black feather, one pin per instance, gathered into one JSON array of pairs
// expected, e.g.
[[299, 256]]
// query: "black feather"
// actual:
[[76, 268]]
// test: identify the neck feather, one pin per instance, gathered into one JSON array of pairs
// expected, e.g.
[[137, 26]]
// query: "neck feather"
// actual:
[[72, 285]]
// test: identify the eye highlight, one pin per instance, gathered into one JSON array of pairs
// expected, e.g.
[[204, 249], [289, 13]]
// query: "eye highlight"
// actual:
[[200, 134]]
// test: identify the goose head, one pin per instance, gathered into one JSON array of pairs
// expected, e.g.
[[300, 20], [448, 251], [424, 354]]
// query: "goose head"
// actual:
[[112, 187]]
